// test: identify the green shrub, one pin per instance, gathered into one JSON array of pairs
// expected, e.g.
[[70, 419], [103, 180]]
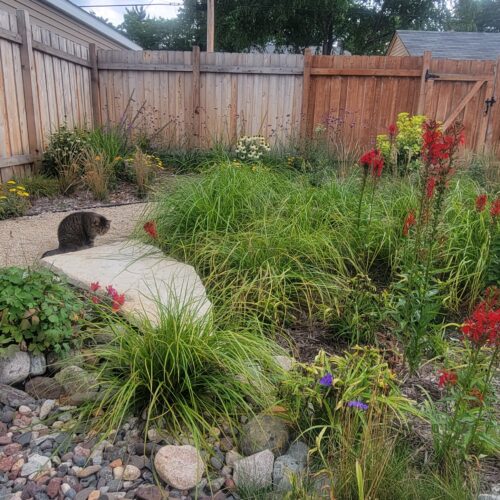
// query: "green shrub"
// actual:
[[14, 200], [40, 186], [37, 307], [184, 374]]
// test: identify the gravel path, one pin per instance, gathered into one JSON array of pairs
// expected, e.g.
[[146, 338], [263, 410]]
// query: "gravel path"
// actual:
[[25, 239]]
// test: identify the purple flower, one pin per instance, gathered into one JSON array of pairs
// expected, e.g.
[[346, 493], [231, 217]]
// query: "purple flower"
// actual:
[[326, 380], [357, 404]]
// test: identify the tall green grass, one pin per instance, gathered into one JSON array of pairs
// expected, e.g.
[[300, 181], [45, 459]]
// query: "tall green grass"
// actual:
[[185, 375], [267, 242]]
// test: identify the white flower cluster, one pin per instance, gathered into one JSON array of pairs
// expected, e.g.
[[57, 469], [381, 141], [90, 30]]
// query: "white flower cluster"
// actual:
[[252, 147]]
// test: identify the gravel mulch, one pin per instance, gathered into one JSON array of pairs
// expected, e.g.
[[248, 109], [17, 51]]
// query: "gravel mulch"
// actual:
[[23, 240]]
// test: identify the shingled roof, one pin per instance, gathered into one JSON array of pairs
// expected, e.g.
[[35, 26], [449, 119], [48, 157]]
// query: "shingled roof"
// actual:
[[451, 44]]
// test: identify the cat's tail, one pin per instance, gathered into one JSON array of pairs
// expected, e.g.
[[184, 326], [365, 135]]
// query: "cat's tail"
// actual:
[[56, 251]]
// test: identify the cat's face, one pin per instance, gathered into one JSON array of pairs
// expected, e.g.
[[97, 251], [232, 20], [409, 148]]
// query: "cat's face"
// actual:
[[102, 225]]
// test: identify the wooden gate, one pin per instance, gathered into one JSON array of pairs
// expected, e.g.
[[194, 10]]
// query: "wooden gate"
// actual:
[[463, 90]]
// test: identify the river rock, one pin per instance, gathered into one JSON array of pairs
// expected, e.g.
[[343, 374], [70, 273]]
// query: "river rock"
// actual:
[[14, 365], [38, 365], [14, 397], [180, 466], [285, 467], [264, 432], [255, 471]]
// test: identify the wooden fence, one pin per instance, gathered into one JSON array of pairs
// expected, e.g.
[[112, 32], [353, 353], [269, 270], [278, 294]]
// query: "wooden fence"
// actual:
[[191, 99], [44, 83]]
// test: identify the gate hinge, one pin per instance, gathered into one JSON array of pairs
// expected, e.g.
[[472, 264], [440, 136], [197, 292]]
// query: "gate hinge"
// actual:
[[489, 103], [430, 76]]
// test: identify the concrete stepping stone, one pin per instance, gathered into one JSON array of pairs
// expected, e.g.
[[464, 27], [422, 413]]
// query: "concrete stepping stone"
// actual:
[[142, 272]]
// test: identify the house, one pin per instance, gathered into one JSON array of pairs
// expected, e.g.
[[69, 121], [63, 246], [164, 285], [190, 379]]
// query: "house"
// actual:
[[445, 44], [71, 22]]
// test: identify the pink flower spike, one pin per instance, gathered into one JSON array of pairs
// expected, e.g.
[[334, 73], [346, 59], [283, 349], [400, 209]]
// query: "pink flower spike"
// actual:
[[95, 286]]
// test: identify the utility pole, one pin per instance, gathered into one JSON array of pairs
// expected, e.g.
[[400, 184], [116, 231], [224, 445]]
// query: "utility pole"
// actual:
[[210, 25]]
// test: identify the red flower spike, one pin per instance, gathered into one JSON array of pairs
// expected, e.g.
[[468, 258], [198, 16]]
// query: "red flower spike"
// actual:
[[95, 286], [95, 299], [481, 202], [150, 228], [409, 222], [111, 291], [483, 326], [447, 378], [431, 185], [373, 159], [393, 130], [119, 299], [495, 208], [116, 306]]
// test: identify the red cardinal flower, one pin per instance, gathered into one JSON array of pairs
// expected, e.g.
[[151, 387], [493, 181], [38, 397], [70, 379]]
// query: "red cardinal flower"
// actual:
[[373, 159], [111, 291], [393, 130], [95, 299], [119, 299], [150, 228], [495, 208], [431, 185], [447, 378], [483, 327], [409, 222], [95, 286], [481, 202]]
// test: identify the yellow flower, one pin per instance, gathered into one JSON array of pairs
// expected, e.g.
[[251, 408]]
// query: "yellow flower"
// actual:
[[11, 182], [12, 190], [24, 193], [21, 188], [118, 158], [98, 158], [3, 197]]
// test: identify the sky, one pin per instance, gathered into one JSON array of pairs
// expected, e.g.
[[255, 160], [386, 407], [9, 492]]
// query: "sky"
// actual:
[[115, 14]]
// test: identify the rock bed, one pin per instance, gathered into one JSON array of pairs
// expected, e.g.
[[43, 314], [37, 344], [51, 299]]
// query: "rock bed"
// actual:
[[42, 458]]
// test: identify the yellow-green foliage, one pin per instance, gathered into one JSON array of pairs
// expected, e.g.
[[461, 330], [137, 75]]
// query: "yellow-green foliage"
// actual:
[[408, 139]]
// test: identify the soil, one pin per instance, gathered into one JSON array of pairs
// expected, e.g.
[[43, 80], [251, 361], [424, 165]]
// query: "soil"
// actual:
[[124, 194]]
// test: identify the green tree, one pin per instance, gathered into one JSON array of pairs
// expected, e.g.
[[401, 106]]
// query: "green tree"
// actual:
[[361, 26]]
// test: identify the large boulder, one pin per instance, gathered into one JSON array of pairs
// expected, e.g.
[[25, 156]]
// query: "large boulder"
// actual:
[[14, 365], [142, 272], [284, 468], [264, 432], [43, 388], [255, 471], [180, 466]]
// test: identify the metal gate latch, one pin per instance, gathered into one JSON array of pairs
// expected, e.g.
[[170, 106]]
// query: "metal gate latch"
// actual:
[[429, 75], [489, 103]]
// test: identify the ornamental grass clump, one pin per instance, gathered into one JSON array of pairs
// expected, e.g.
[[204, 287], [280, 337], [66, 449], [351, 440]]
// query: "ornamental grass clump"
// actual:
[[183, 374]]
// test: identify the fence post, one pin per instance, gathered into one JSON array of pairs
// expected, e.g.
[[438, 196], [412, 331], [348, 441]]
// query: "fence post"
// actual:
[[94, 86], [29, 84], [426, 64], [196, 96], [305, 93]]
